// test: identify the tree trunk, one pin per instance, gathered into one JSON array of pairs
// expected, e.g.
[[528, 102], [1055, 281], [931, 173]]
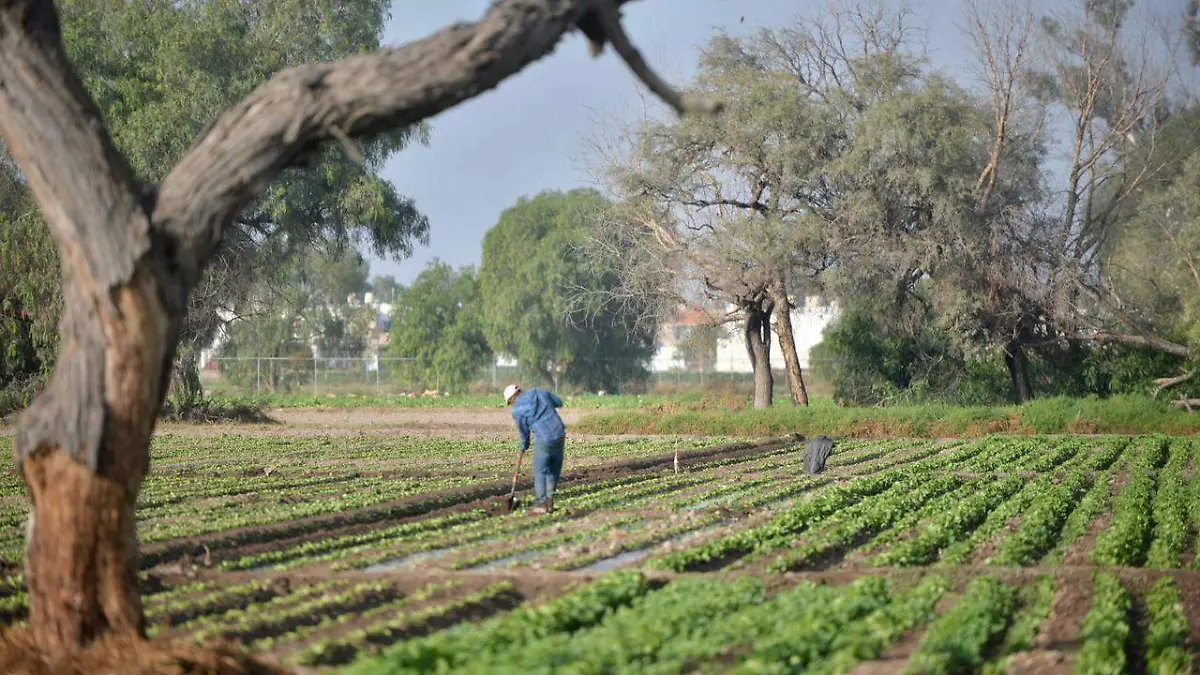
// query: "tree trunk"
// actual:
[[83, 448], [132, 254], [787, 344], [1018, 371], [185, 393], [758, 345]]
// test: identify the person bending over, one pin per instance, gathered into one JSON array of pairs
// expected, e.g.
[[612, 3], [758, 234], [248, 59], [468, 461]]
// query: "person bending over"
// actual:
[[536, 411]]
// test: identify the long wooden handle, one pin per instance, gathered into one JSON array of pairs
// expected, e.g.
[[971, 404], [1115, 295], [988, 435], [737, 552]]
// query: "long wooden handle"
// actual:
[[516, 470]]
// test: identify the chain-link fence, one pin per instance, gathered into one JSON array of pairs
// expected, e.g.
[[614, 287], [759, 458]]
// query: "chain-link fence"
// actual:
[[393, 376]]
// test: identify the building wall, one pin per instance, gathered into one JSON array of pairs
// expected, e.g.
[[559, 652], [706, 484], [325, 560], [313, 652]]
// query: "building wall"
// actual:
[[808, 325]]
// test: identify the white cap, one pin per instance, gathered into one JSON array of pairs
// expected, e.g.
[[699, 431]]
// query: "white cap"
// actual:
[[510, 391]]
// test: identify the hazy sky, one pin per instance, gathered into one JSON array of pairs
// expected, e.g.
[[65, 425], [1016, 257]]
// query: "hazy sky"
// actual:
[[526, 136]]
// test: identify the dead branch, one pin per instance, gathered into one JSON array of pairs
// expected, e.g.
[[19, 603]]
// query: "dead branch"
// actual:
[[132, 255], [609, 20], [1164, 383], [361, 96], [1188, 404]]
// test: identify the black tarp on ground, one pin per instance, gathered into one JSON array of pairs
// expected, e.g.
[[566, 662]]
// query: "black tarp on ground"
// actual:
[[816, 451]]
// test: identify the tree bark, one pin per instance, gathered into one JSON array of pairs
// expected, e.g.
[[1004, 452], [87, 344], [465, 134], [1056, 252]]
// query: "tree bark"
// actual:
[[1018, 371], [131, 256], [758, 345], [787, 344]]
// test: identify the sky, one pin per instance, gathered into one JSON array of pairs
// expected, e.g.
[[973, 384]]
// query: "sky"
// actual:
[[530, 133]]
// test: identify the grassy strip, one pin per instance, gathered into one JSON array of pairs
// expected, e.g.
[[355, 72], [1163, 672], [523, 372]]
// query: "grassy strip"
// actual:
[[1116, 415]]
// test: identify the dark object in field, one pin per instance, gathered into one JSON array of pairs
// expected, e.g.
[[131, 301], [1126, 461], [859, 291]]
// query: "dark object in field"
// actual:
[[816, 452], [509, 502]]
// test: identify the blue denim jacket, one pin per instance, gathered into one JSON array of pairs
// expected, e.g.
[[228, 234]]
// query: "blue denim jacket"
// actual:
[[534, 410]]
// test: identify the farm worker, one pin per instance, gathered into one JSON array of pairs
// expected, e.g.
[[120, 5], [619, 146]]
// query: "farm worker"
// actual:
[[536, 411]]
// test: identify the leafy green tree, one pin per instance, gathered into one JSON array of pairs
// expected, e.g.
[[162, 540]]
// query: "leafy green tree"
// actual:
[[29, 294], [439, 322], [1154, 260], [132, 257], [337, 275], [160, 72], [386, 288], [547, 302], [302, 308]]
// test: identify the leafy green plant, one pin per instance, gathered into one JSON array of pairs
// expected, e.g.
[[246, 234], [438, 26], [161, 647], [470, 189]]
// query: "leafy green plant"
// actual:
[[1106, 628]]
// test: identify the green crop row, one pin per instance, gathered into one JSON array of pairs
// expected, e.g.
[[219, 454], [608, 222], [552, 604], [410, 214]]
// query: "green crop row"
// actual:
[[951, 525], [1167, 630], [996, 522], [676, 630], [343, 648], [368, 616], [784, 526], [540, 542], [955, 642], [1125, 540], [198, 602], [308, 611], [903, 527], [894, 462], [636, 542], [866, 518], [782, 530], [867, 639], [1170, 510], [306, 553], [1043, 522], [1095, 501], [1106, 629], [451, 649], [1034, 602], [245, 613]]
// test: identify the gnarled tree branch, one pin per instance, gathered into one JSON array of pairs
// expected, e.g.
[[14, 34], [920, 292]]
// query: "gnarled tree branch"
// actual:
[[131, 256], [1148, 341]]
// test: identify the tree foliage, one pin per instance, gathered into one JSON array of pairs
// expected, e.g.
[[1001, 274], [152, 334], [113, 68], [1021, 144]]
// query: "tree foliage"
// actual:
[[161, 72], [962, 226], [547, 302], [301, 312], [439, 323], [30, 299]]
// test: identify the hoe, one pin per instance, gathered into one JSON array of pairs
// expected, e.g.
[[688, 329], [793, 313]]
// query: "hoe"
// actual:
[[509, 502]]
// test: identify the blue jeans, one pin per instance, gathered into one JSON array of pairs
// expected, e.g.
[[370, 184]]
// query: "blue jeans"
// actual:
[[547, 467]]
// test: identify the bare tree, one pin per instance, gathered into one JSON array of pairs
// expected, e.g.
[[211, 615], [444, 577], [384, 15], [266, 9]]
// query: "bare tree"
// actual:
[[744, 206], [994, 266], [1001, 35], [132, 253], [1101, 75], [1109, 93]]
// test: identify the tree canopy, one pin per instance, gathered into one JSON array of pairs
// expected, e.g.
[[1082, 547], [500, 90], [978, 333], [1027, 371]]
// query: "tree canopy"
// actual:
[[160, 73], [439, 323], [545, 299]]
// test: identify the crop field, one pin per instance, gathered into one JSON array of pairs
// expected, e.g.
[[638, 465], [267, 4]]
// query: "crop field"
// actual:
[[388, 555]]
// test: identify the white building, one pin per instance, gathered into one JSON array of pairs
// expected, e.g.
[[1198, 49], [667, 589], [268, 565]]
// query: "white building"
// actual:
[[671, 336], [808, 326]]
